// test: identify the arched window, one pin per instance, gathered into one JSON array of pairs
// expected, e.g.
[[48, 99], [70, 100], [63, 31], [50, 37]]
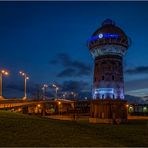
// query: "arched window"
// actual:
[[96, 64], [113, 96], [95, 79], [113, 77]]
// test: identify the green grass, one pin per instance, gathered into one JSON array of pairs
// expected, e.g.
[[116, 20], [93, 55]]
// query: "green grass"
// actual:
[[24, 130]]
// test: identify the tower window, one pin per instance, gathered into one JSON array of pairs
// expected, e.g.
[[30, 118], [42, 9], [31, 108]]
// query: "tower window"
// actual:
[[95, 79], [96, 64], [102, 77], [113, 96], [113, 78]]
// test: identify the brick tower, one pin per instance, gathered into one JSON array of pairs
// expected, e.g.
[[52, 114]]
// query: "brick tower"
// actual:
[[108, 45]]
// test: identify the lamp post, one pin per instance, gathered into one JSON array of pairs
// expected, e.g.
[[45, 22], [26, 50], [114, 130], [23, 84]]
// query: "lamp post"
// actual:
[[64, 95], [74, 94], [2, 72], [56, 89], [25, 84], [45, 86]]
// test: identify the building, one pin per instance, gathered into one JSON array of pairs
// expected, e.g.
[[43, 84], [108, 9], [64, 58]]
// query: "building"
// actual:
[[108, 45]]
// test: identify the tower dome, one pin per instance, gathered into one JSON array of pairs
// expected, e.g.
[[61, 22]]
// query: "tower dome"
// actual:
[[108, 39]]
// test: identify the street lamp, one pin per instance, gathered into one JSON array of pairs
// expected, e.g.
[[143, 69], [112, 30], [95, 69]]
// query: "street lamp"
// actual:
[[25, 83], [56, 89], [2, 72], [74, 94], [45, 86], [64, 95]]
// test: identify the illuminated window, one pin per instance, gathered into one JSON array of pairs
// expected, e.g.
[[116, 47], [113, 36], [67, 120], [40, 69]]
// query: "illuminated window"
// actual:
[[145, 109], [131, 109]]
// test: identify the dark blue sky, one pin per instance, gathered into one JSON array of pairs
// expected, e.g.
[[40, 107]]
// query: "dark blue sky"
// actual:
[[48, 39]]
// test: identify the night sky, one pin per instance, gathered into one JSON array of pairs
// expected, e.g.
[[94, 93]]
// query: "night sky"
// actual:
[[48, 41]]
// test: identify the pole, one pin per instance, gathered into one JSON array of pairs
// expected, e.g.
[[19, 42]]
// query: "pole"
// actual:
[[1, 84], [43, 93], [25, 94], [56, 92]]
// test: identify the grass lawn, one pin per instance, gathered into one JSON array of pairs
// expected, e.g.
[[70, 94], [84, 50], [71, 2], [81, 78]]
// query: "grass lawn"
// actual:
[[24, 130]]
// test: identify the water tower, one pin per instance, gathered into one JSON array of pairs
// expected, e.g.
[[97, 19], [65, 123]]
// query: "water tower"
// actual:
[[108, 44]]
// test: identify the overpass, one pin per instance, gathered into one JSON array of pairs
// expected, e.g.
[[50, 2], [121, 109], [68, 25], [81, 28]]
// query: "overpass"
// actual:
[[37, 106]]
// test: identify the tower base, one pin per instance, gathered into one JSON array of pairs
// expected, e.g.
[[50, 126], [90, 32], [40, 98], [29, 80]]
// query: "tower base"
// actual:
[[108, 111]]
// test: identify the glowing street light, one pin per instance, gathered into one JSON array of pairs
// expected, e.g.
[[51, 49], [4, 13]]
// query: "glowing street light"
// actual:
[[25, 84], [74, 94], [45, 86], [56, 89], [59, 103], [39, 105], [127, 105], [2, 72], [64, 95]]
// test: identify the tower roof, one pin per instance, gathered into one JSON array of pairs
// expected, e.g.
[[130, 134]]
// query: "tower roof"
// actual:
[[108, 39], [108, 26]]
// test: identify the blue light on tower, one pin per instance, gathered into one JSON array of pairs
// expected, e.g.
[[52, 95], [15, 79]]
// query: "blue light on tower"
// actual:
[[104, 36]]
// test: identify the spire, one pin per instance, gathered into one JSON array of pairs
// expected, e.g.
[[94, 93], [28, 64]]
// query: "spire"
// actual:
[[108, 22]]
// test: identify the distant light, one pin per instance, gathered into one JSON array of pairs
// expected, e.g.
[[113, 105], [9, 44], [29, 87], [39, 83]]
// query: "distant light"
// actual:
[[45, 85], [3, 71], [100, 35], [53, 85], [39, 105], [6, 73], [59, 102], [144, 109], [131, 109]]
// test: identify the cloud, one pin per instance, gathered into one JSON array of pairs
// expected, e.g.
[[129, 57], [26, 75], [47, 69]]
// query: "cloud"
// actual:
[[134, 99], [69, 72], [73, 68], [137, 70], [76, 86], [136, 84]]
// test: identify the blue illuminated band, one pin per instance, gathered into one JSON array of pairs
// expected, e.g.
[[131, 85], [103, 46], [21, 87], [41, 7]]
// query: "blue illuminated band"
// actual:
[[105, 36], [107, 92]]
